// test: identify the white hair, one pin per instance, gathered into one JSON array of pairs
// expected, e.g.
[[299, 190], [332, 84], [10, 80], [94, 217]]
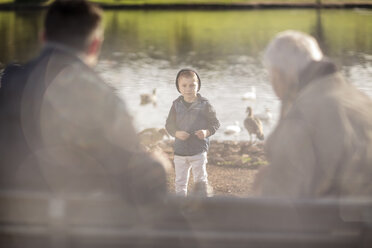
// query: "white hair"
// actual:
[[290, 52]]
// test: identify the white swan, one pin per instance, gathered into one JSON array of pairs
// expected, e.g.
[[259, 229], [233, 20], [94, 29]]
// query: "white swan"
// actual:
[[266, 117], [233, 129], [250, 95]]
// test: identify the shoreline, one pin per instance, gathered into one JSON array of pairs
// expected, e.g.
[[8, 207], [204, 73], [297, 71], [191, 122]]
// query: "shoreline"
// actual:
[[232, 166], [205, 6], [234, 154]]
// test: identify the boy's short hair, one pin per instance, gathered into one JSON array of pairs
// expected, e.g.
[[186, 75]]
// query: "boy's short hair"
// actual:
[[72, 22], [187, 73]]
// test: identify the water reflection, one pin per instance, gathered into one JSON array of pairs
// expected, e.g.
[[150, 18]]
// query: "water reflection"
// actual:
[[184, 43], [19, 35], [318, 31], [145, 49]]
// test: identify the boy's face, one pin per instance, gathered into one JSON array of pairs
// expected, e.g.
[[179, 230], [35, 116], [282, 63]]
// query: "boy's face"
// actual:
[[188, 87]]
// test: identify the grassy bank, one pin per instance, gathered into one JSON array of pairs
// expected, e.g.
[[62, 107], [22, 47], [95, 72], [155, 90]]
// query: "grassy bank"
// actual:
[[239, 3], [226, 1]]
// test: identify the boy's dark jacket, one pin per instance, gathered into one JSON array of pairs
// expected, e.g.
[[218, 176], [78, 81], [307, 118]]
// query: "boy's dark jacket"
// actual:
[[199, 116]]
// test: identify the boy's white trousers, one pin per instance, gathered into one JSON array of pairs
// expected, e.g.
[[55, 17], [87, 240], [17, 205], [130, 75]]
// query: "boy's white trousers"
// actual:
[[183, 164]]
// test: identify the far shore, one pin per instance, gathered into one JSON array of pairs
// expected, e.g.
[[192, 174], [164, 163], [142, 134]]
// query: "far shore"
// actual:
[[207, 6]]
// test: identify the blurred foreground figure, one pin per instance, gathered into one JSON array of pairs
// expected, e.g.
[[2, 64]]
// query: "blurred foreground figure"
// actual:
[[63, 130], [322, 145]]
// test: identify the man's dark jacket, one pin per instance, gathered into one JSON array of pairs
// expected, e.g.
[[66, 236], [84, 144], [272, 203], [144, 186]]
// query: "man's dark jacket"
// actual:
[[62, 129]]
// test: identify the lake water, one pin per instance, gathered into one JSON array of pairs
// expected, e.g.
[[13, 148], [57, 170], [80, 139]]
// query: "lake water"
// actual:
[[144, 50]]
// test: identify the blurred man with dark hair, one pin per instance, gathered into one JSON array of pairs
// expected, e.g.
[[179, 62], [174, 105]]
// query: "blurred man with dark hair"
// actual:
[[322, 145], [63, 130]]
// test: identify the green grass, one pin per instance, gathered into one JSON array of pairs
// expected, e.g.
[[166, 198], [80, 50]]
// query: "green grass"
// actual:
[[128, 2], [25, 1], [223, 33], [190, 1], [212, 35], [219, 1]]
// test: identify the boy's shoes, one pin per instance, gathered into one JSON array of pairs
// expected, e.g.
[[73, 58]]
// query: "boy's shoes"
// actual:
[[203, 189]]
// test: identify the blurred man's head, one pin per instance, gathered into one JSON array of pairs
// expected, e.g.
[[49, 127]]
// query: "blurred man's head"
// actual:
[[76, 24], [287, 56]]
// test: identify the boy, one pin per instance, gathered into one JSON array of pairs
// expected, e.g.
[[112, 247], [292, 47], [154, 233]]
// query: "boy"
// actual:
[[191, 120]]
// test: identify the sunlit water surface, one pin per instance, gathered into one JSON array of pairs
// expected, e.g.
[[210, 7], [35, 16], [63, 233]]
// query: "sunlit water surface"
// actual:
[[144, 50]]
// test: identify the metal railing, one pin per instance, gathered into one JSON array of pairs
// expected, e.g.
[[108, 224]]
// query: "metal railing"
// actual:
[[42, 220]]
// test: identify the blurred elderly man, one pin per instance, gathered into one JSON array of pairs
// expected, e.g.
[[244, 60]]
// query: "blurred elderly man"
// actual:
[[322, 145], [63, 130]]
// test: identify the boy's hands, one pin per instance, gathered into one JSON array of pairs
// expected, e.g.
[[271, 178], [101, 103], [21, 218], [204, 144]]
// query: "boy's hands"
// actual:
[[182, 135], [202, 134]]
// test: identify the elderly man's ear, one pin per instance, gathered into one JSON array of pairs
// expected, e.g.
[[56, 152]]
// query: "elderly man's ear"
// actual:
[[94, 47], [93, 50]]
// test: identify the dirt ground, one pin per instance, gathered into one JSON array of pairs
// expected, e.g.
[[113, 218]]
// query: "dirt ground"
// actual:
[[232, 166]]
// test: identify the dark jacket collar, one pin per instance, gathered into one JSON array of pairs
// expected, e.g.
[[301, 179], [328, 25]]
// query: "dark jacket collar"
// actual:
[[199, 98], [315, 70]]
